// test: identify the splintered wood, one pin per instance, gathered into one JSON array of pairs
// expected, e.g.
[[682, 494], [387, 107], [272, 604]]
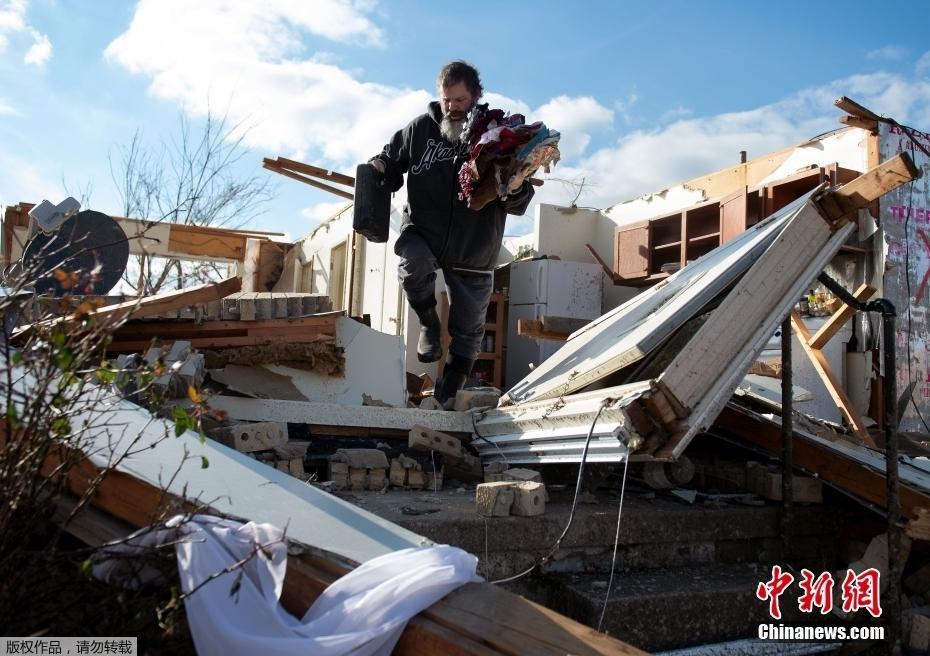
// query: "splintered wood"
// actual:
[[138, 335]]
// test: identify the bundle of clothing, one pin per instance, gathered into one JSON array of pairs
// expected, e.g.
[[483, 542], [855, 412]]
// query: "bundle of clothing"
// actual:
[[502, 147]]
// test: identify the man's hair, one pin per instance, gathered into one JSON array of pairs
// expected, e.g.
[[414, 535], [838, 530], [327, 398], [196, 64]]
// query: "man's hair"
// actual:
[[460, 71]]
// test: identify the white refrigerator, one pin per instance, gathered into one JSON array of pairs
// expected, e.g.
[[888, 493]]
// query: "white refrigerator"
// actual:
[[553, 288]]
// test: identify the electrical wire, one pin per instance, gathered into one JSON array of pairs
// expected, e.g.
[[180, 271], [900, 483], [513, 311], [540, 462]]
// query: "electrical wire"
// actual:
[[613, 561], [558, 543], [474, 430]]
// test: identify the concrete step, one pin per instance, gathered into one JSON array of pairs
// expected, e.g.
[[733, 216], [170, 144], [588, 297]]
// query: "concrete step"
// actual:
[[671, 608], [656, 532]]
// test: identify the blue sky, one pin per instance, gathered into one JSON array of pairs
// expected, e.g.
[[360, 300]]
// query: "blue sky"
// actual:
[[646, 94]]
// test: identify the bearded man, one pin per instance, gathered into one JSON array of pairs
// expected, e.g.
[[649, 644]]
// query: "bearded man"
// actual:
[[439, 230]]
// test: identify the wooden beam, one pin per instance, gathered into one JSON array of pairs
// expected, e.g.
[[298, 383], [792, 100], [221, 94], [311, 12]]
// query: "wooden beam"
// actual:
[[195, 241], [160, 238], [534, 328], [134, 337], [315, 171], [857, 122], [614, 276], [567, 325], [832, 383], [855, 109], [839, 318], [839, 205], [272, 166], [863, 482], [555, 328], [250, 265], [318, 323]]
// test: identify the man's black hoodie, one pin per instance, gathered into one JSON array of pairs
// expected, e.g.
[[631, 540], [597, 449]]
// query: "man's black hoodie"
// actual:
[[460, 238]]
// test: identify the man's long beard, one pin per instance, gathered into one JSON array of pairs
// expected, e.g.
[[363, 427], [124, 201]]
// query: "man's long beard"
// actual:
[[451, 129]]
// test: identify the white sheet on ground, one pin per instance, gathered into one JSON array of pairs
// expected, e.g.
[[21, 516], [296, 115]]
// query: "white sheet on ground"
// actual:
[[362, 613]]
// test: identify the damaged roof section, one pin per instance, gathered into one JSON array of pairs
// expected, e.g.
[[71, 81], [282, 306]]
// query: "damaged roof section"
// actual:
[[756, 279]]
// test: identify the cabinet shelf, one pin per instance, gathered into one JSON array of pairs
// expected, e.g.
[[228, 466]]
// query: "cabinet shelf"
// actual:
[[642, 248], [703, 238]]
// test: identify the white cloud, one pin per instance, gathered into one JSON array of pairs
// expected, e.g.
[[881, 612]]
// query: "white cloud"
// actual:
[[892, 53], [24, 181], [650, 160], [294, 102], [251, 58], [922, 67], [575, 119], [13, 24], [322, 211], [267, 66], [40, 52], [12, 19], [5, 107]]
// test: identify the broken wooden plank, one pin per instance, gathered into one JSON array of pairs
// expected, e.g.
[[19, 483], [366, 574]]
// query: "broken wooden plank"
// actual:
[[271, 165], [839, 318], [840, 204], [315, 171], [181, 329], [830, 381], [858, 122], [861, 476], [336, 414], [477, 619], [555, 328], [558, 324], [250, 265], [855, 109], [534, 329]]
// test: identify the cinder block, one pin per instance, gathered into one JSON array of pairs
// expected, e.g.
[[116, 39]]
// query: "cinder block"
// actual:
[[469, 399], [494, 499], [259, 436], [529, 499]]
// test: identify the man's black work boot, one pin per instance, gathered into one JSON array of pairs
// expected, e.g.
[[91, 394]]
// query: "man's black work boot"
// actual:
[[453, 378], [429, 346]]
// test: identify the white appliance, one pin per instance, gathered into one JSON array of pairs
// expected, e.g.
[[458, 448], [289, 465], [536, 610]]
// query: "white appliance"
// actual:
[[552, 288]]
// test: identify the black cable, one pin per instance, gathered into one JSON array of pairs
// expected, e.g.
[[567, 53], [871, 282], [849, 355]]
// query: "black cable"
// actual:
[[613, 561], [571, 516]]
